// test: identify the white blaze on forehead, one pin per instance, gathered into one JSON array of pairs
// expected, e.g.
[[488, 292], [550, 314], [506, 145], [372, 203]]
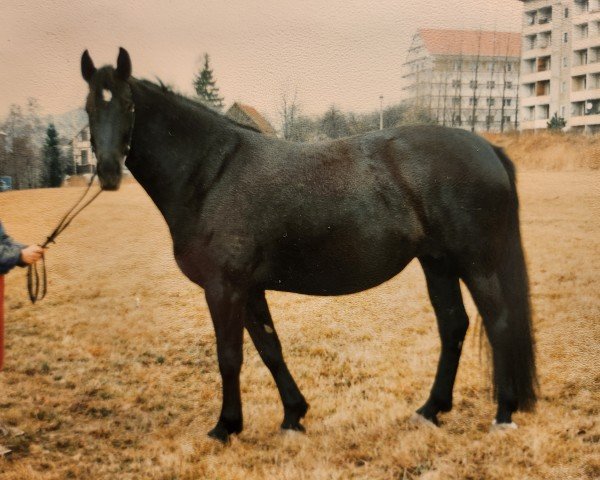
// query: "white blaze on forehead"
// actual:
[[106, 94]]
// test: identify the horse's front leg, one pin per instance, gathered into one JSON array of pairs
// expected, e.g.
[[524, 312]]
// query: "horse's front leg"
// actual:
[[262, 331], [227, 304]]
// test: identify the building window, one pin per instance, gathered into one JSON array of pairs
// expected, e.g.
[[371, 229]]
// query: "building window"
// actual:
[[507, 119], [507, 102], [491, 84], [509, 85], [473, 84], [565, 61], [566, 13], [489, 119], [563, 110], [456, 83], [456, 100], [566, 37], [84, 135], [473, 101], [509, 67], [491, 101], [84, 157]]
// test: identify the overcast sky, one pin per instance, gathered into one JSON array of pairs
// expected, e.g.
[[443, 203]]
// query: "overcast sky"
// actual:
[[343, 52]]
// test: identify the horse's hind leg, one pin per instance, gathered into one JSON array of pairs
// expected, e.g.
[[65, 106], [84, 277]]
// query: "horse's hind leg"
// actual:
[[444, 292], [491, 303], [260, 326]]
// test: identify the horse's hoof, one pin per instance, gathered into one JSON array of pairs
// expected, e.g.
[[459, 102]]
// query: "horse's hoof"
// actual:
[[292, 417], [418, 419], [219, 433], [293, 427], [293, 432], [500, 427]]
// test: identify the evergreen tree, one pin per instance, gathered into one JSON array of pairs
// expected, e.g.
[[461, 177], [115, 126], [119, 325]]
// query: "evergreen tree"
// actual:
[[334, 123], [205, 86], [53, 165], [556, 123]]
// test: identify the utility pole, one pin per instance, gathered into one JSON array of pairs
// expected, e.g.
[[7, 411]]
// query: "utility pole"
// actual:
[[380, 112], [518, 65]]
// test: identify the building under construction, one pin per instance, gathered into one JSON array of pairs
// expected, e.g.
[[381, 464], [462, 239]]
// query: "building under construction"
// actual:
[[465, 78]]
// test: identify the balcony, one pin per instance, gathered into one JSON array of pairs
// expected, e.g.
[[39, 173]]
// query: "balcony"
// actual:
[[586, 42], [534, 124], [536, 76], [539, 100], [537, 51], [585, 95], [582, 120], [537, 28], [585, 69]]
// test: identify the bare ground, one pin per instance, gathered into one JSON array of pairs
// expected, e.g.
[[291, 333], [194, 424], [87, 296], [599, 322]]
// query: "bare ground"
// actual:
[[114, 375]]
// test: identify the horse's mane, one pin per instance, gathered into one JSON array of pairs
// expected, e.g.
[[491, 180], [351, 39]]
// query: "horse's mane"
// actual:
[[168, 91]]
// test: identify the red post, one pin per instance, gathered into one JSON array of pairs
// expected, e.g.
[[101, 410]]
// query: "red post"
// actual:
[[1, 321]]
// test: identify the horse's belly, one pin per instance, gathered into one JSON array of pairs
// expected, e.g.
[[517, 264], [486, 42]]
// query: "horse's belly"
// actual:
[[319, 274]]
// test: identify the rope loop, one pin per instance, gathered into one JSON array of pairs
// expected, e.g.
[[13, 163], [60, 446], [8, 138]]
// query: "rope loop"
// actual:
[[37, 280]]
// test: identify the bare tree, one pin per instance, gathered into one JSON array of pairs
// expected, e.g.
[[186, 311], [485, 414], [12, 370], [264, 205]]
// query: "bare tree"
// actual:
[[288, 112], [457, 100], [474, 85], [504, 76], [491, 85], [518, 65], [22, 157]]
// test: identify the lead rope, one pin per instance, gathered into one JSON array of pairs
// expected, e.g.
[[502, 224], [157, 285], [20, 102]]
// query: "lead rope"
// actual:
[[36, 289]]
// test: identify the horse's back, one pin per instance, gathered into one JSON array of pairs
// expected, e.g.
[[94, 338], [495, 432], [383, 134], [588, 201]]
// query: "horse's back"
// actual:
[[346, 215]]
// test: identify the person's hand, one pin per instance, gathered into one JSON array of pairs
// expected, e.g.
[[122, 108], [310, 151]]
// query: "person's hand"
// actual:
[[31, 254]]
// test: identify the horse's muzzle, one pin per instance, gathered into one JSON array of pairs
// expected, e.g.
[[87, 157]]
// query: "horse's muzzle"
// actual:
[[109, 174]]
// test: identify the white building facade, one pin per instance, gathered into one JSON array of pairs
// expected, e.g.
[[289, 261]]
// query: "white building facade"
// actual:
[[560, 68], [83, 156], [465, 78]]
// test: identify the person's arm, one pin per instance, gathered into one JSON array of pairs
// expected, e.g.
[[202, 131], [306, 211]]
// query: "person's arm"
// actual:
[[10, 252], [13, 253]]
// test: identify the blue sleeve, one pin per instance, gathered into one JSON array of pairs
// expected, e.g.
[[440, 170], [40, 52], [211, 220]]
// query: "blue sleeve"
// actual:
[[10, 252]]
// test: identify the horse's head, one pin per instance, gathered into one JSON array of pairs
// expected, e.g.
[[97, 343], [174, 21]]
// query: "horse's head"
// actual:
[[110, 110]]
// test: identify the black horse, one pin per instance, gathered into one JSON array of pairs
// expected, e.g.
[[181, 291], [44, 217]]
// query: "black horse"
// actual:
[[249, 213]]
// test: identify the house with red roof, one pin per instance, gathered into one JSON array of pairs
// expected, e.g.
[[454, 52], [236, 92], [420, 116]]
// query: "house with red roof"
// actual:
[[249, 116]]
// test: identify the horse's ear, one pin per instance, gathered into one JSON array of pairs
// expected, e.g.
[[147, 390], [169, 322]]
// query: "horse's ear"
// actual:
[[87, 66], [123, 64]]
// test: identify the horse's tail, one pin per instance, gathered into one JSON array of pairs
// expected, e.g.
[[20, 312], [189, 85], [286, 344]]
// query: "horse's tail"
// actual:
[[512, 271]]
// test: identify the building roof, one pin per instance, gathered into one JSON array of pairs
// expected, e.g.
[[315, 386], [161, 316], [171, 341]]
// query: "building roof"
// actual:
[[254, 118], [471, 42]]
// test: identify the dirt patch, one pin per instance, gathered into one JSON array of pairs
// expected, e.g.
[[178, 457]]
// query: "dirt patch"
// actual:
[[550, 151]]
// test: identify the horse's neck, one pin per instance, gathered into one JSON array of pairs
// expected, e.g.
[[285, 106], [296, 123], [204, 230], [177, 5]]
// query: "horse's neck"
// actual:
[[174, 149]]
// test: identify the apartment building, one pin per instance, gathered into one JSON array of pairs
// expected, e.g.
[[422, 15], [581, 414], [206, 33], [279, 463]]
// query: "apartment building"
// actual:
[[560, 68], [465, 78]]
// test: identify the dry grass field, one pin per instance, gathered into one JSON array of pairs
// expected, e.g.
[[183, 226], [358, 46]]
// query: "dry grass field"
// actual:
[[114, 374]]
